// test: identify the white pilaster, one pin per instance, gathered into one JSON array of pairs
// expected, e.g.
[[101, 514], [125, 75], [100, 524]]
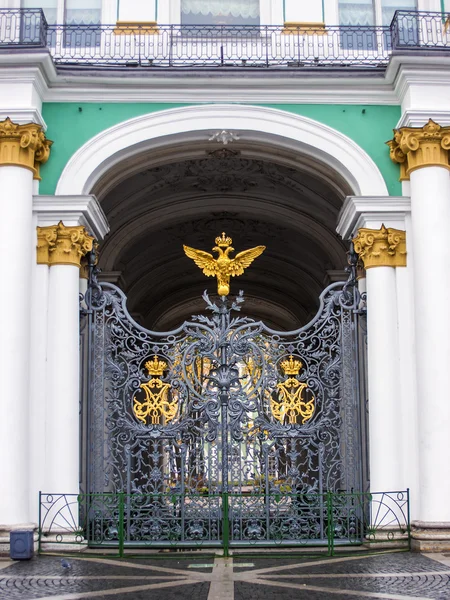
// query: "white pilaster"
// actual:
[[408, 426], [59, 398], [38, 388], [383, 380], [16, 185], [430, 211], [136, 11], [429, 5], [21, 96], [303, 12], [392, 391], [83, 284]]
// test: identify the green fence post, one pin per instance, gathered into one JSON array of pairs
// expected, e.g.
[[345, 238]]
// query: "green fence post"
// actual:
[[121, 524], [408, 517], [330, 536], [39, 524], [225, 525]]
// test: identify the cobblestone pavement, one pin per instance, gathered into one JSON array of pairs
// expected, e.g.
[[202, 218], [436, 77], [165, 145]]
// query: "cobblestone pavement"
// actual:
[[394, 576]]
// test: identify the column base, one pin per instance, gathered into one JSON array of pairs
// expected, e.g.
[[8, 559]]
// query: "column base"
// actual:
[[63, 542], [430, 536]]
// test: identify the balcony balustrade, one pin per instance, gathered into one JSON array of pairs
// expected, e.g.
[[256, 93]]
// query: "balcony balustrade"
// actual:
[[250, 47]]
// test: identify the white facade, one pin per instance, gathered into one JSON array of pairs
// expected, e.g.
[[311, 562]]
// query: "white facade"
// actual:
[[159, 118]]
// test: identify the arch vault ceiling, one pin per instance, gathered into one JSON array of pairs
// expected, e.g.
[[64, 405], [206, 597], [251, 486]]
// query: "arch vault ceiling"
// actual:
[[257, 199]]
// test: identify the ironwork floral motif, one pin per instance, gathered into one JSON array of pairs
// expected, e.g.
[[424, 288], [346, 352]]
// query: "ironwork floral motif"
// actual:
[[208, 428]]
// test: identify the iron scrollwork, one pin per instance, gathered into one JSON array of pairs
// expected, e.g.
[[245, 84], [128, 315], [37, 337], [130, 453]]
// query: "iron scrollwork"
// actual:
[[221, 407]]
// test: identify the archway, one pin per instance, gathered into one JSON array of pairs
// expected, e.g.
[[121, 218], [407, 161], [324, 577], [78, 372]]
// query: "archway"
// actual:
[[216, 426], [164, 182]]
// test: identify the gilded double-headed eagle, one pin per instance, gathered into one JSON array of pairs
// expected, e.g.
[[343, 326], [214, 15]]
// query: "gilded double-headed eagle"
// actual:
[[223, 267]]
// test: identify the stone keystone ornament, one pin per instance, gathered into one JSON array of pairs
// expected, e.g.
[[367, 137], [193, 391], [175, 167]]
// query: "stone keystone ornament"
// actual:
[[223, 267]]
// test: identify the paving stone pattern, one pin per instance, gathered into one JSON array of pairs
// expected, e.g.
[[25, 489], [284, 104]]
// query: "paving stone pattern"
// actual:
[[393, 576]]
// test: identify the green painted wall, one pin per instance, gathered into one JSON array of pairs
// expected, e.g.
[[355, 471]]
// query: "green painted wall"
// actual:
[[70, 125], [369, 126]]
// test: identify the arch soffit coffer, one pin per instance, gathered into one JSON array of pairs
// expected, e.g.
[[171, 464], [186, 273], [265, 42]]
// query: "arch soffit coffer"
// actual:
[[294, 280], [209, 177], [174, 154], [136, 232]]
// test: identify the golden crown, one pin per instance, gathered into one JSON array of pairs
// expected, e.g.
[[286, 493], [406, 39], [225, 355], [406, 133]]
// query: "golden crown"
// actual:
[[155, 366], [223, 242], [291, 366]]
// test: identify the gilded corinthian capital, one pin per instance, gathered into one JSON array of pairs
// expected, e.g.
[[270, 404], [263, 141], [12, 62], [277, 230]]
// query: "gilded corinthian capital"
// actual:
[[416, 147], [23, 146], [61, 245], [385, 247]]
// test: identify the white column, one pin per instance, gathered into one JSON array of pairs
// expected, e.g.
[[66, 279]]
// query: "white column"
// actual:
[[368, 214], [423, 154], [430, 210], [383, 379], [22, 148], [63, 402], [66, 248], [54, 413], [16, 185], [382, 252]]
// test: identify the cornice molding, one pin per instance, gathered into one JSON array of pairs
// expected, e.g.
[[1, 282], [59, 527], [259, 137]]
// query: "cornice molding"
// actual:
[[371, 212], [363, 87], [22, 116], [417, 117], [259, 89], [67, 86], [415, 65], [420, 75], [73, 211]]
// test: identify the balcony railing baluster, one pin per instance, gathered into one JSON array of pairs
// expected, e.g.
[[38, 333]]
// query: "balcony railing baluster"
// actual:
[[271, 47]]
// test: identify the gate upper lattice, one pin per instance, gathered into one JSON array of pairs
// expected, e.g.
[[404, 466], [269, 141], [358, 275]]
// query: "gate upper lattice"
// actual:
[[223, 430]]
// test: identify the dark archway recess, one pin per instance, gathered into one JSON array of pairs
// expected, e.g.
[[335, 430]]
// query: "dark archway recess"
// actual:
[[216, 430], [189, 196]]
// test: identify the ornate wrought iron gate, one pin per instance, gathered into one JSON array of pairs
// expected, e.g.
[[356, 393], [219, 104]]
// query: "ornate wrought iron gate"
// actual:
[[223, 431]]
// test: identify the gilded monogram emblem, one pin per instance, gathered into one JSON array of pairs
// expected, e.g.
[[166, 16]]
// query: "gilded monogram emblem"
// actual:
[[157, 407], [290, 404]]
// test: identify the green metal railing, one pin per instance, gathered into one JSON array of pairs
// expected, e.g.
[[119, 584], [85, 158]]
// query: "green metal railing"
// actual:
[[224, 520]]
